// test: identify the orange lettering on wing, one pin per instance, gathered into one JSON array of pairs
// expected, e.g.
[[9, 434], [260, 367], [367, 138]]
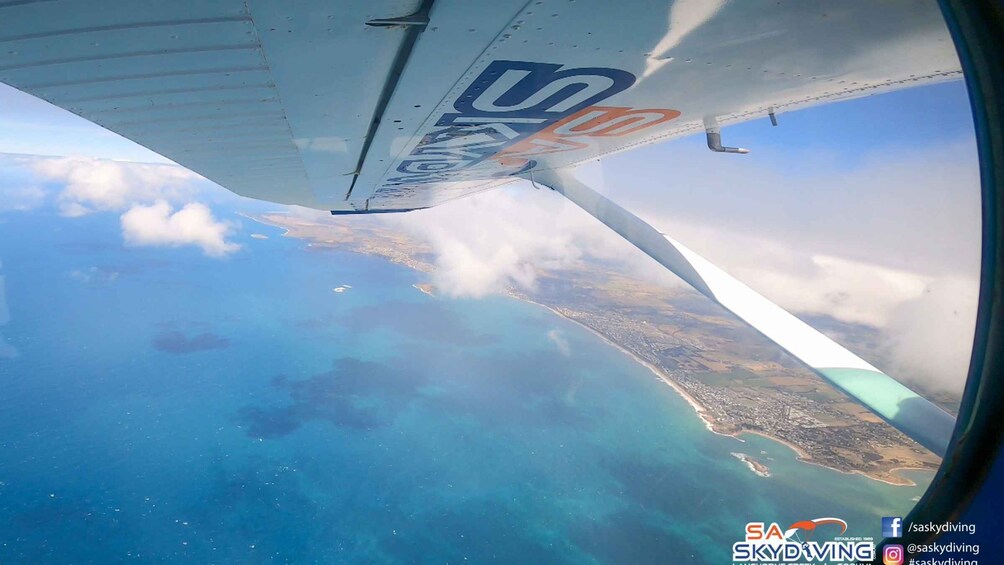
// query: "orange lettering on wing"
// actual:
[[595, 121]]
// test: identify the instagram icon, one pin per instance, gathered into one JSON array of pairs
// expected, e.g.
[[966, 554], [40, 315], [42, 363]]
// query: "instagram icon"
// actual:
[[892, 554]]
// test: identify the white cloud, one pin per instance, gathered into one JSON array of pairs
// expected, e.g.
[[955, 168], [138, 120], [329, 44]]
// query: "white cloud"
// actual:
[[92, 185], [851, 291], [148, 194], [486, 244], [925, 318], [559, 341], [94, 274], [194, 224], [502, 238], [21, 198], [931, 337]]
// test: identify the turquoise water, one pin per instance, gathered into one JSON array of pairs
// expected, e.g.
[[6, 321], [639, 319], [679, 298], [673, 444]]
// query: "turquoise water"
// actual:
[[166, 406]]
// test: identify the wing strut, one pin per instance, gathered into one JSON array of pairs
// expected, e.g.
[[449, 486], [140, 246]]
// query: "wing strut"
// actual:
[[907, 411]]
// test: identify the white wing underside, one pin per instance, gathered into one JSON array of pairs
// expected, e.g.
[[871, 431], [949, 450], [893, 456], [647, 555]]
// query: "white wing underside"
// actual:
[[278, 100]]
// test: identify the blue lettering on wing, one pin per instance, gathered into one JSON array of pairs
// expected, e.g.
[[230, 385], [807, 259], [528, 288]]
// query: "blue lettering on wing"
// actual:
[[518, 89], [508, 102]]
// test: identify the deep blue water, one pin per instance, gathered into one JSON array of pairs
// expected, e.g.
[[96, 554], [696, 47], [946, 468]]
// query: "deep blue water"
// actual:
[[165, 406]]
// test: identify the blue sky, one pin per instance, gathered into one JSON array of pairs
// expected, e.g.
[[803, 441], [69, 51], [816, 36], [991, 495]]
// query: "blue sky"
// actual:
[[927, 115], [32, 126]]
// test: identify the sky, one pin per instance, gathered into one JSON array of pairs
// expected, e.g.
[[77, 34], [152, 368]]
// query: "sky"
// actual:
[[865, 211]]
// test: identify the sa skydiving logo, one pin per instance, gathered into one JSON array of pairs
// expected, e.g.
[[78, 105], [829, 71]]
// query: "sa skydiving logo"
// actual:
[[796, 544], [515, 111]]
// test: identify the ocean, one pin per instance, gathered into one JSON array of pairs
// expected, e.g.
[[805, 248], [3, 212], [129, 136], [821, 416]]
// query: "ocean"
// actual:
[[166, 406]]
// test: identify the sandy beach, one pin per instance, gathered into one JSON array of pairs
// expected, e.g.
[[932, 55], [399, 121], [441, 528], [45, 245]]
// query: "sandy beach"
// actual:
[[805, 458], [709, 422], [701, 411]]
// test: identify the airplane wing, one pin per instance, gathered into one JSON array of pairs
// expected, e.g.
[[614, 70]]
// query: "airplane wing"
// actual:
[[340, 106], [395, 105]]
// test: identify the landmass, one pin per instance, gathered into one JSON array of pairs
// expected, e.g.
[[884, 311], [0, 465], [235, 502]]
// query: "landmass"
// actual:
[[425, 288], [757, 467], [736, 380], [363, 235]]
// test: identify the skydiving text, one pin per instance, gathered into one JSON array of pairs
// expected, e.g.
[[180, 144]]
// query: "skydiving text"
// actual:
[[770, 544], [931, 527]]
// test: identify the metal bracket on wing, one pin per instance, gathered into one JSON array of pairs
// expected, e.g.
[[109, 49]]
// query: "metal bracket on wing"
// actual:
[[420, 18], [907, 411], [714, 133], [413, 24]]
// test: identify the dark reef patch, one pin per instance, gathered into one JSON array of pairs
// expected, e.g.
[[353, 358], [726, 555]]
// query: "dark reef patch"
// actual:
[[358, 395]]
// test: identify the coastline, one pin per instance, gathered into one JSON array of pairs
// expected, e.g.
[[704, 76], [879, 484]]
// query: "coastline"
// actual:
[[424, 289], [709, 422], [264, 222], [699, 409], [758, 468], [702, 411], [803, 457]]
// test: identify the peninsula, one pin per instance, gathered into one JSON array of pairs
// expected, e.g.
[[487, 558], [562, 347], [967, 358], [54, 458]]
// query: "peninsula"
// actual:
[[737, 381]]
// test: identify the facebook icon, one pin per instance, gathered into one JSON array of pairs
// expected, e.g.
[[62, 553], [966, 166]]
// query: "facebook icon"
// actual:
[[892, 527]]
